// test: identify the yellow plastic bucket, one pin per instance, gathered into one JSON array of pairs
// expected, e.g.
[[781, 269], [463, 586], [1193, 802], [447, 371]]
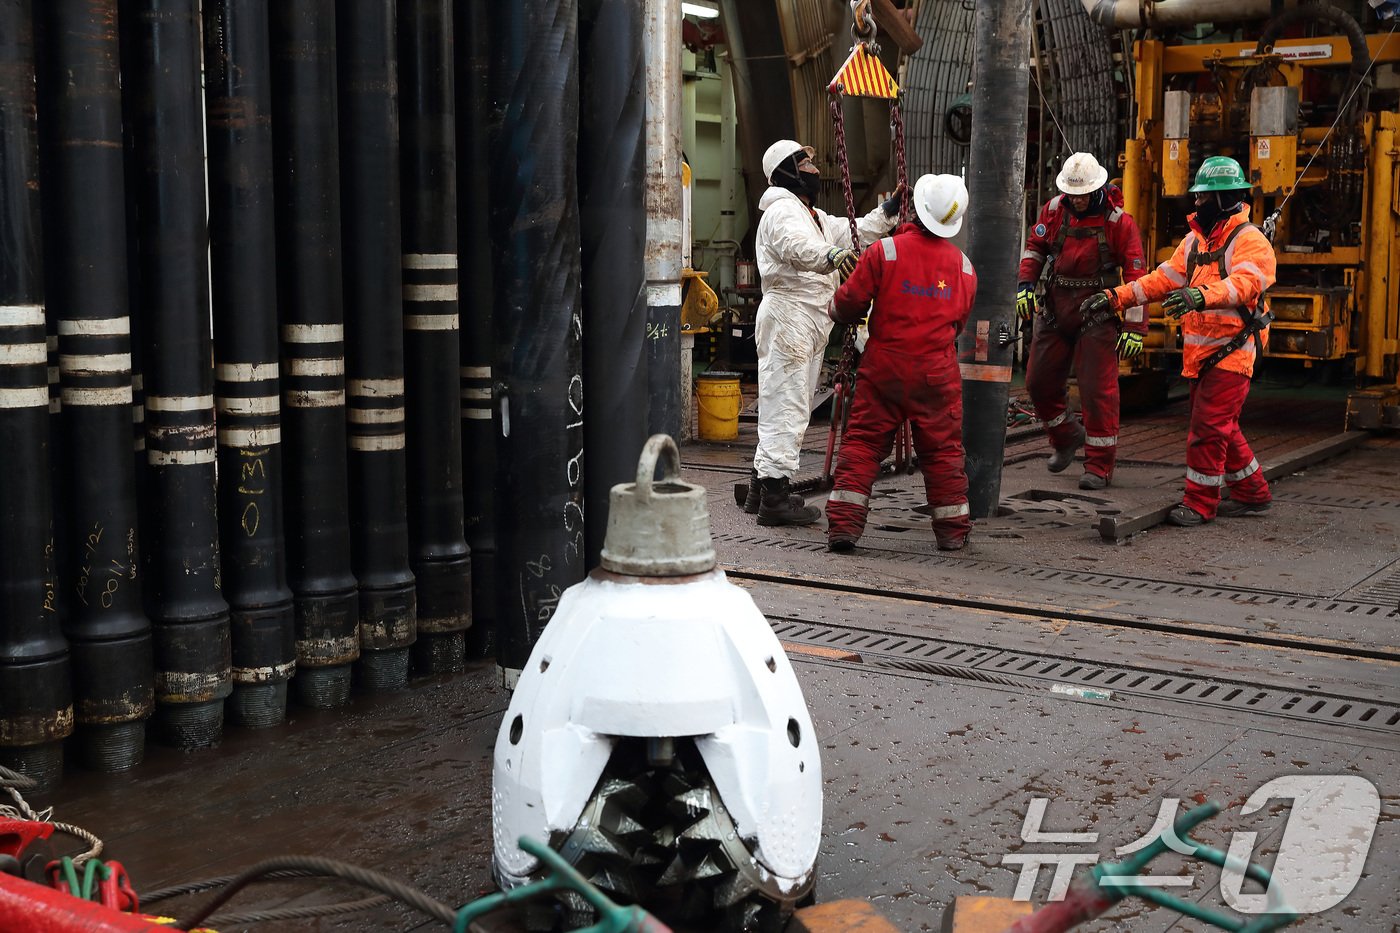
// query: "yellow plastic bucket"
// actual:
[[718, 398]]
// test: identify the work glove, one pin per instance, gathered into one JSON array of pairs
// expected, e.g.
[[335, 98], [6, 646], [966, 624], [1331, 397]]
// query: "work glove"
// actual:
[[892, 204], [1183, 301], [1026, 304], [842, 261], [1098, 301], [1129, 345]]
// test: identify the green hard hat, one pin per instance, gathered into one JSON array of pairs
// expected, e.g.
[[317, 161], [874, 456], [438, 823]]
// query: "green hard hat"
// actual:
[[1220, 173]]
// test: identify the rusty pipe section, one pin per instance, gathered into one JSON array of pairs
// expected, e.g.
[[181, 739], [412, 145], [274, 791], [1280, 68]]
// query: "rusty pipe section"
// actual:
[[1143, 14], [662, 42]]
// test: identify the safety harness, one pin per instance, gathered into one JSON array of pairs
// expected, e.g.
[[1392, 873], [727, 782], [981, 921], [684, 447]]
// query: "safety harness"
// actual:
[[1109, 272], [1254, 322], [1108, 269]]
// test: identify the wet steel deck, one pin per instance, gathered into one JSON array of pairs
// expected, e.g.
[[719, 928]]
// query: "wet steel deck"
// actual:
[[928, 770]]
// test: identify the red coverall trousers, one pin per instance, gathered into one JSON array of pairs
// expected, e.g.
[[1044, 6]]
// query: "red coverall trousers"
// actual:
[[1216, 452], [893, 388], [1094, 355]]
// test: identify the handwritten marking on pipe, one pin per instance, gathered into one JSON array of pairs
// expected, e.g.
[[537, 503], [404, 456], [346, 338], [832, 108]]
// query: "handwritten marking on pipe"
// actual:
[[264, 436]]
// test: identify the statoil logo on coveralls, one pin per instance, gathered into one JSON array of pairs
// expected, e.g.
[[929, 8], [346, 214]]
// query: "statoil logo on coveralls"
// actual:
[[1326, 836], [941, 290]]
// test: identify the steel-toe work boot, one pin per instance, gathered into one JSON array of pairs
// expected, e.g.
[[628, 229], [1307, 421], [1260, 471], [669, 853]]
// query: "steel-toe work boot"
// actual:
[[1064, 456], [1092, 481], [752, 500], [778, 506], [1231, 508], [1185, 516]]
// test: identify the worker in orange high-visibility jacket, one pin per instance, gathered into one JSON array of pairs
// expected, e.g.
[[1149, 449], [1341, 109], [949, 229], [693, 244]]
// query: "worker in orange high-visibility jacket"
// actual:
[[1082, 241], [1215, 283]]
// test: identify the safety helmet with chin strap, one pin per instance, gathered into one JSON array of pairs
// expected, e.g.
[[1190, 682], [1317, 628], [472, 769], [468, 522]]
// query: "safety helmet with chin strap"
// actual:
[[1081, 174], [779, 152]]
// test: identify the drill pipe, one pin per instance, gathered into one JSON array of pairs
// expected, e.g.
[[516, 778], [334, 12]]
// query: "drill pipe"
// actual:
[[374, 340], [191, 619], [437, 539], [84, 214], [243, 257], [36, 697], [306, 177], [538, 327]]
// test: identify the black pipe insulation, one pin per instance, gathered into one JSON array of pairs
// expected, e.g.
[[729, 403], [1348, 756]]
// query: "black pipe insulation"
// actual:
[[36, 699], [306, 154], [538, 322], [371, 237], [183, 597], [612, 217], [996, 182], [85, 284], [243, 259], [473, 39], [438, 550]]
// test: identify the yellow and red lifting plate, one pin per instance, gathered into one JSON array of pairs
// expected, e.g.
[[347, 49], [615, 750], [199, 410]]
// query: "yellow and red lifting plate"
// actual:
[[864, 76]]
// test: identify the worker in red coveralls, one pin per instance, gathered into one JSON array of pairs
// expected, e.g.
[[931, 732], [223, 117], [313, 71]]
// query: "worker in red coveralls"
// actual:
[[922, 287], [1082, 240]]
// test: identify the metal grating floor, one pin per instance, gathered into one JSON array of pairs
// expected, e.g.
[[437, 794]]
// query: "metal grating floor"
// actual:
[[1383, 586], [936, 656], [1380, 606], [1342, 502]]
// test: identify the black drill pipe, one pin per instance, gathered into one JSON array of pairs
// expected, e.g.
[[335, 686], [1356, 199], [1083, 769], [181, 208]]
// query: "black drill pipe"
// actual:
[[191, 619], [997, 173], [243, 259], [371, 236], [437, 540], [36, 697], [80, 145], [312, 314], [538, 326], [473, 42], [612, 220]]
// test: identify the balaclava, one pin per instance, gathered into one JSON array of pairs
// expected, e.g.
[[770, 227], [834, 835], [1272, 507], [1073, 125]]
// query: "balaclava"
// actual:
[[1218, 206], [805, 184]]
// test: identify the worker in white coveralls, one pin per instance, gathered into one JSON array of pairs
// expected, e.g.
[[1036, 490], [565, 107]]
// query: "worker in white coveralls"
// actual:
[[803, 253]]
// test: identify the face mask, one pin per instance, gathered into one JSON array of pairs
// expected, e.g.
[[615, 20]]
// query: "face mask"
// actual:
[[811, 184], [1218, 206]]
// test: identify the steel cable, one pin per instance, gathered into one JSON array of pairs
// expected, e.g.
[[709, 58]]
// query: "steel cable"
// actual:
[[314, 865]]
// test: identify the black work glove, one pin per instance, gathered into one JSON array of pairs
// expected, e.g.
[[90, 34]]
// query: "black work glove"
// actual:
[[1095, 303], [893, 202]]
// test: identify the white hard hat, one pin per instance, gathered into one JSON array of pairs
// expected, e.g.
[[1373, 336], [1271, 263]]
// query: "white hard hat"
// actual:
[[1082, 174], [779, 151], [941, 201]]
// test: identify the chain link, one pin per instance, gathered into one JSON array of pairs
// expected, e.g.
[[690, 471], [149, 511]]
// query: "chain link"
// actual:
[[842, 381], [902, 178]]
